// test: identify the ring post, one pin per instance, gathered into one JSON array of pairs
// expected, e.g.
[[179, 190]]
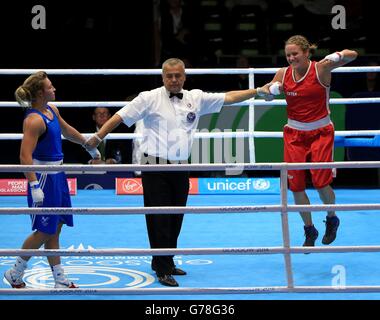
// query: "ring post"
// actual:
[[251, 119], [285, 226]]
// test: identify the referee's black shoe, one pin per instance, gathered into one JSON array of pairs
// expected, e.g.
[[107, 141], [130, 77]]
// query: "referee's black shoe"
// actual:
[[175, 271], [178, 272], [167, 280]]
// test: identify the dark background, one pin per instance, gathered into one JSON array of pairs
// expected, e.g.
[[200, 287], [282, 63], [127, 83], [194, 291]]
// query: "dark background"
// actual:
[[123, 34]]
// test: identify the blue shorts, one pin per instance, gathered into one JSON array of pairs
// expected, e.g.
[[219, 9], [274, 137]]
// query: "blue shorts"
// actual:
[[57, 195]]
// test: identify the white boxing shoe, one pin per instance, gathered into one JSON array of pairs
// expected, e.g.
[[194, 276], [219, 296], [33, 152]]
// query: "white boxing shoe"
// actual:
[[14, 278], [65, 284]]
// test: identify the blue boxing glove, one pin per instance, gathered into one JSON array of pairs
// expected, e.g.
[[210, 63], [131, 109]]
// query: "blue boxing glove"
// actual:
[[37, 193]]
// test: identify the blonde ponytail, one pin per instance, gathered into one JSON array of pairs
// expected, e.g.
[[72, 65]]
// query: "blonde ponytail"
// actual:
[[23, 97]]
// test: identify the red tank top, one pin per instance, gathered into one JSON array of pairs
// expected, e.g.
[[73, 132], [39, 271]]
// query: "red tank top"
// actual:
[[307, 98]]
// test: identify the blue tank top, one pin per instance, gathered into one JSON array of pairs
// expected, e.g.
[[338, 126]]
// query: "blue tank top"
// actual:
[[49, 145]]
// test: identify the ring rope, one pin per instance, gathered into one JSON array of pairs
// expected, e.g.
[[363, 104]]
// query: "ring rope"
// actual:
[[180, 291], [188, 209], [190, 167], [215, 135], [187, 251], [186, 291], [159, 71], [256, 102], [206, 135]]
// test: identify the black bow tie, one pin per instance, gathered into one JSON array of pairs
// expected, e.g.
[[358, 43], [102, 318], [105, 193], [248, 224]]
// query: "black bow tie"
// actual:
[[179, 95]]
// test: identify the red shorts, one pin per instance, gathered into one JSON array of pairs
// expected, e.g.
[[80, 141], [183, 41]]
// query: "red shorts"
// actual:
[[309, 146]]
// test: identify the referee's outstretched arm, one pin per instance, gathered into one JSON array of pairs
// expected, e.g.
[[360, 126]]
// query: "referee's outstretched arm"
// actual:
[[242, 95], [108, 127]]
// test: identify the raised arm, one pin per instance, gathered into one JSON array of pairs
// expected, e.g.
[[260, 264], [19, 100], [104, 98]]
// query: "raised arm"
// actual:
[[337, 59], [332, 61]]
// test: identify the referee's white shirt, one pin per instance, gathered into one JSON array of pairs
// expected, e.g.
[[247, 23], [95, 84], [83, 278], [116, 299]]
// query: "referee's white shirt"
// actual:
[[169, 124]]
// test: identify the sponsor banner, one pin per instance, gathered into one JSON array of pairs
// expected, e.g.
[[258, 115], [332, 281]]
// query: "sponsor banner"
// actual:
[[18, 187], [73, 186], [134, 186], [210, 186], [15, 187], [239, 186], [194, 186], [129, 186]]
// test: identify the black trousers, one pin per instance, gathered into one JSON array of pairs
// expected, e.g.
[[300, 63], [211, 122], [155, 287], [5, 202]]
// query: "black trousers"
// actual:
[[164, 189]]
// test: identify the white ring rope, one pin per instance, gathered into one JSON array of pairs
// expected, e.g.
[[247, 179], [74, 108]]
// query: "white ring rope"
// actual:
[[186, 291], [256, 102], [159, 71], [188, 209], [187, 251], [190, 167], [208, 135]]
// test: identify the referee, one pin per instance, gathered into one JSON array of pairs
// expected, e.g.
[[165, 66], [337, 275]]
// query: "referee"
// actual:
[[170, 117]]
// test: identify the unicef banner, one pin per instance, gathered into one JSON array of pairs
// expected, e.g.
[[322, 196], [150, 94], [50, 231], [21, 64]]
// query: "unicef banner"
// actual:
[[239, 185]]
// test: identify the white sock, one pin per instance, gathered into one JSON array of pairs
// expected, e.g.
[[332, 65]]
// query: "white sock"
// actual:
[[58, 273], [20, 265]]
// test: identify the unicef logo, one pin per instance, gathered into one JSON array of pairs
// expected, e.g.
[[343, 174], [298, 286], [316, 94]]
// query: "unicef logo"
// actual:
[[89, 276], [261, 184]]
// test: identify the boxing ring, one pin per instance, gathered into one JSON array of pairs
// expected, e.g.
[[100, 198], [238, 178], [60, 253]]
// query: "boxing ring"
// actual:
[[271, 270]]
